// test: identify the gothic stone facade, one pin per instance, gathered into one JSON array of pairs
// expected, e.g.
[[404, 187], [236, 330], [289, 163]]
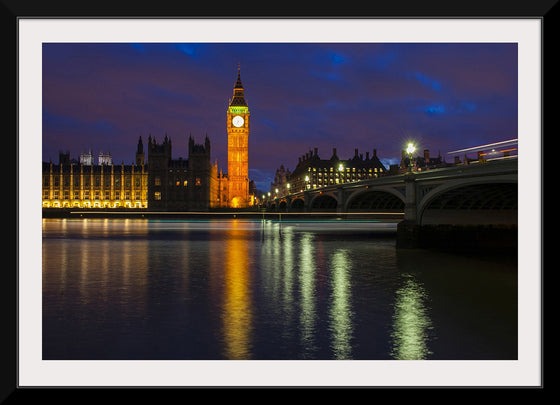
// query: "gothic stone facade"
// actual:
[[163, 183]]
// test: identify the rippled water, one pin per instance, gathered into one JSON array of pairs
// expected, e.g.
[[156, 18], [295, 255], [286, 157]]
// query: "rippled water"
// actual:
[[151, 289]]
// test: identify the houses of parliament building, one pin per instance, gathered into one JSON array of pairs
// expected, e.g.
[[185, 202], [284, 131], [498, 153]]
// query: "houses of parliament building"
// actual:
[[160, 182]]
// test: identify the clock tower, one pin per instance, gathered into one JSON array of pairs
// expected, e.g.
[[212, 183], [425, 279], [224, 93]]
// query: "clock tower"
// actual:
[[238, 147]]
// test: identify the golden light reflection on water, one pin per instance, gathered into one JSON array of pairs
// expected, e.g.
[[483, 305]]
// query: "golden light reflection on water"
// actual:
[[340, 311], [90, 264], [295, 271], [238, 313], [307, 280], [411, 322], [278, 263]]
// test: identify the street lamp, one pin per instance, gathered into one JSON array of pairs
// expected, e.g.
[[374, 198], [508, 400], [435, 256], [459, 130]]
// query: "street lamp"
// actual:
[[410, 150]]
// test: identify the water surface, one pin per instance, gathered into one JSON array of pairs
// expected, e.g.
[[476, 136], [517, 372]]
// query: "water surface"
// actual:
[[119, 289]]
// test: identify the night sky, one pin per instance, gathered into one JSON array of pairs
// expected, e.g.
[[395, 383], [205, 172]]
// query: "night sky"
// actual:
[[441, 96]]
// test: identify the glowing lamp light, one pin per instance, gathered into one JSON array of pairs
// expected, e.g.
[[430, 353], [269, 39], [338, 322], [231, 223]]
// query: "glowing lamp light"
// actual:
[[410, 149], [340, 167]]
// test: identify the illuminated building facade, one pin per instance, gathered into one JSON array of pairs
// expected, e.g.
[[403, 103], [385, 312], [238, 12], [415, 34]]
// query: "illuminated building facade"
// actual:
[[77, 185], [313, 172], [161, 182], [238, 148]]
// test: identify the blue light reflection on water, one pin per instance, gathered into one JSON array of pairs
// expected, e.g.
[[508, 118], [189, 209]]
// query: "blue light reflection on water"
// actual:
[[236, 289]]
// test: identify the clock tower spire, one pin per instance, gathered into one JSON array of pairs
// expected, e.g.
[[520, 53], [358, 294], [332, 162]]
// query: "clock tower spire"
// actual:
[[238, 147]]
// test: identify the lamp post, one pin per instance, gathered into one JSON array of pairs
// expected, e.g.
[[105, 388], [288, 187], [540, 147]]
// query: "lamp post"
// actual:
[[410, 150]]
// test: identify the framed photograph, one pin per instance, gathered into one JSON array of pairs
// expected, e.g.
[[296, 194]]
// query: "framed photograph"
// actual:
[[230, 202]]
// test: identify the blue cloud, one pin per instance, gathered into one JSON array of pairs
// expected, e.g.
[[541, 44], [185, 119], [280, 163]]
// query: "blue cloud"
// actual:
[[189, 49], [435, 110], [337, 59], [138, 47], [427, 81], [457, 109], [470, 107]]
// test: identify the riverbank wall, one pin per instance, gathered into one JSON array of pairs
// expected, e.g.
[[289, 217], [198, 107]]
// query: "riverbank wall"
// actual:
[[458, 238], [253, 214]]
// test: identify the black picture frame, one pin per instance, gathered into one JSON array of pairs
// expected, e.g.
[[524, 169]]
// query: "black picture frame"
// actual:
[[12, 10]]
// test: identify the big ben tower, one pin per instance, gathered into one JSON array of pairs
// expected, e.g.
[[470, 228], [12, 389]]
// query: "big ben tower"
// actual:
[[238, 147]]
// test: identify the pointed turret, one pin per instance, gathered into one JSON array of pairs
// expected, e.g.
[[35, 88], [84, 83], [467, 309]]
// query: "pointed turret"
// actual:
[[238, 84], [140, 156], [238, 92]]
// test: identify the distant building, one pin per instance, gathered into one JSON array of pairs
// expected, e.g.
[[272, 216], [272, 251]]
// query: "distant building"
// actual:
[[105, 158], [86, 158], [419, 163], [281, 185], [313, 172]]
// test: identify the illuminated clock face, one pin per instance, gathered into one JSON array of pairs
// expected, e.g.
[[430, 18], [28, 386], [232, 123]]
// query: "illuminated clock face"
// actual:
[[237, 121]]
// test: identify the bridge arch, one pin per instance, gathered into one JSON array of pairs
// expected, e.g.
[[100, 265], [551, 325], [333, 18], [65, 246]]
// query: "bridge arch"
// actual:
[[297, 204], [375, 199], [324, 202], [476, 201], [282, 205]]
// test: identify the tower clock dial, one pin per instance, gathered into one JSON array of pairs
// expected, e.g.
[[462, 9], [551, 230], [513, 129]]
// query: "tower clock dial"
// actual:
[[237, 121]]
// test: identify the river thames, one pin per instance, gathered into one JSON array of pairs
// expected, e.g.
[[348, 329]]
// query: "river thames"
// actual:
[[234, 289]]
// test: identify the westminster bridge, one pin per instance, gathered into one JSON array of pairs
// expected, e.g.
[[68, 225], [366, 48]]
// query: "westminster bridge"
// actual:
[[479, 194]]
